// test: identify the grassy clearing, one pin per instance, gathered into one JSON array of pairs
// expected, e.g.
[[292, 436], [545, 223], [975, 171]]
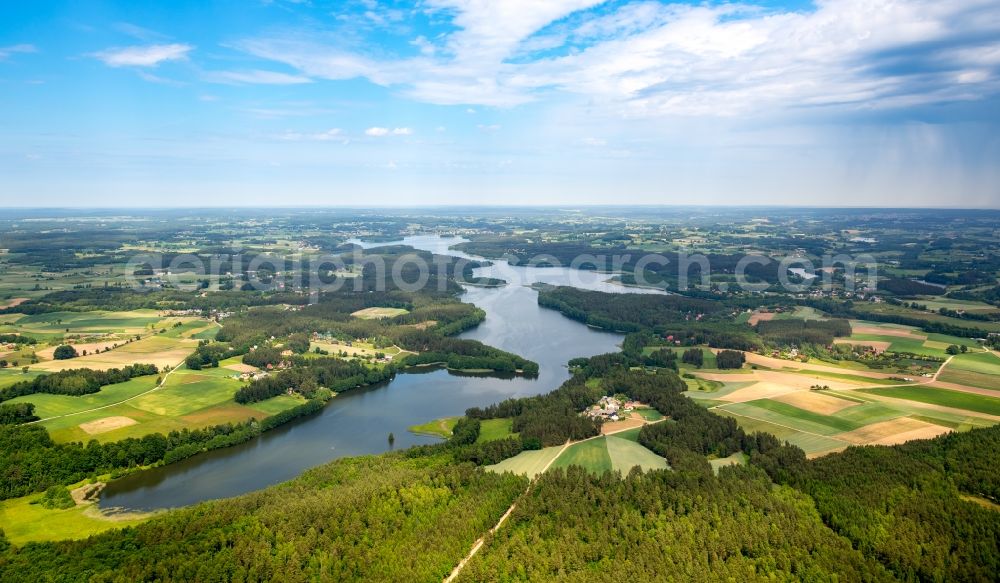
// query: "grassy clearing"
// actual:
[[9, 376], [723, 390], [649, 414], [527, 463], [25, 522], [626, 454], [54, 405], [591, 455], [737, 459], [811, 444], [374, 313], [277, 404], [438, 428], [629, 434], [942, 397], [187, 391], [493, 429]]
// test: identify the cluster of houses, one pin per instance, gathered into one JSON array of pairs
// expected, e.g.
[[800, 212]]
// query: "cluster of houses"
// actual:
[[611, 408]]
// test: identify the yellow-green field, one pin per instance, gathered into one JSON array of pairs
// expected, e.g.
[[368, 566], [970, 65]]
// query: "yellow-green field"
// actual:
[[439, 427], [492, 429], [24, 522], [858, 407], [373, 313], [188, 399], [527, 463], [161, 350]]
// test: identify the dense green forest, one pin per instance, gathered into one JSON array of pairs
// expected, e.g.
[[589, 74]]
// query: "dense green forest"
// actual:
[[307, 375], [869, 513], [394, 517], [665, 526]]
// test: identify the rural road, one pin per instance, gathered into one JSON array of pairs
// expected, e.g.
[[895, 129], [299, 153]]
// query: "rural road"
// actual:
[[158, 386], [481, 540]]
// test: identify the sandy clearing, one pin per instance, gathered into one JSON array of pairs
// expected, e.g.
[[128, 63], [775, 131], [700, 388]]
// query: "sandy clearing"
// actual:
[[12, 302], [736, 377], [241, 368], [761, 390], [760, 317], [878, 345], [771, 362], [893, 431], [768, 383], [107, 424], [616, 426], [118, 358], [816, 402]]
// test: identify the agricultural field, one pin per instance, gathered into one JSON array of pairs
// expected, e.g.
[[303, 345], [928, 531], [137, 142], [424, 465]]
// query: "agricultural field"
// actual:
[[187, 399], [609, 453], [938, 302], [895, 338], [528, 463], [822, 411], [981, 370], [943, 397], [161, 350]]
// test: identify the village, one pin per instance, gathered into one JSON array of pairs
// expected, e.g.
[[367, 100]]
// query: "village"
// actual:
[[612, 408]]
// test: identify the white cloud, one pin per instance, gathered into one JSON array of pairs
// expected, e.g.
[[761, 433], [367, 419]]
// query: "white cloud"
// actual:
[[143, 56], [330, 135], [378, 132], [645, 59], [488, 128], [256, 77], [6, 52]]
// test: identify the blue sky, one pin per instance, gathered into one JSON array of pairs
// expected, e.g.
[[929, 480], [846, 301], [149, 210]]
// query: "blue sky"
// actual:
[[554, 102]]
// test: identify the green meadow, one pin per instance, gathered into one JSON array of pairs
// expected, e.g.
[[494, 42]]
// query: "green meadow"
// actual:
[[610, 452], [55, 405], [24, 522], [187, 399], [943, 397], [438, 427], [493, 429], [527, 463]]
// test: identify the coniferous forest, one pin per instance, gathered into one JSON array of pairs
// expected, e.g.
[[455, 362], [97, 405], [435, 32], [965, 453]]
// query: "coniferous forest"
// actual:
[[868, 514]]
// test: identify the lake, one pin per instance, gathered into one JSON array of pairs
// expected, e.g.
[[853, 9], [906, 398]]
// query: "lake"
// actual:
[[358, 422]]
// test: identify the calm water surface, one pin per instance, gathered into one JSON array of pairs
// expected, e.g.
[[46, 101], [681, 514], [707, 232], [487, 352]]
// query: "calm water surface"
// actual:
[[358, 422]]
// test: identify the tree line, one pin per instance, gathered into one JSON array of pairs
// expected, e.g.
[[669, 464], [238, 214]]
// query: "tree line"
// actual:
[[76, 381]]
